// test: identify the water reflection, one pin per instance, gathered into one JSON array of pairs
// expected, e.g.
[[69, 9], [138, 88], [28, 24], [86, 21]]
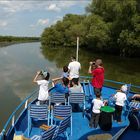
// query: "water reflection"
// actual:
[[18, 65]]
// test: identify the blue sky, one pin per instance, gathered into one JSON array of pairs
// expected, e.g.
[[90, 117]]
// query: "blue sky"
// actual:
[[30, 17]]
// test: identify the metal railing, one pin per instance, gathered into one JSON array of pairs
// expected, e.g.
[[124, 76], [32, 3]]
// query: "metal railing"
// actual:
[[115, 84], [16, 114]]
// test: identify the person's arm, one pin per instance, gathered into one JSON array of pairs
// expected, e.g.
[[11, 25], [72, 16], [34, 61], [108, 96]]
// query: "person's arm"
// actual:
[[80, 66], [35, 78], [54, 81], [105, 102], [136, 96], [115, 96], [90, 67], [69, 68]]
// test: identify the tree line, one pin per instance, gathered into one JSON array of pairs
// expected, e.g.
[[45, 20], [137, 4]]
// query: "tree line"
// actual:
[[109, 26], [13, 39]]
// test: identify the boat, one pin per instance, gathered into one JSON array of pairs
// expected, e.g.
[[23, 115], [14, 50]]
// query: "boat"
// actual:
[[19, 123]]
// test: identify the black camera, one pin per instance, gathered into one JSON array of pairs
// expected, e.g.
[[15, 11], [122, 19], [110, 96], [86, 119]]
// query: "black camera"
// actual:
[[41, 72]]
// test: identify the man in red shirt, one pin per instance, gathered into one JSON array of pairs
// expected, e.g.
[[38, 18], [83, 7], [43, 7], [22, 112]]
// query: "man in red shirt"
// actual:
[[97, 71]]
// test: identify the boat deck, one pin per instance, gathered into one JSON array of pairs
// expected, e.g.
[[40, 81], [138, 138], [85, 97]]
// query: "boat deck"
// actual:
[[81, 129], [80, 125]]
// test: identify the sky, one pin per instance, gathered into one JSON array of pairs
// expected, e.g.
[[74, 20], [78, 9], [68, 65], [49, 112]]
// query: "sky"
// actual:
[[31, 17]]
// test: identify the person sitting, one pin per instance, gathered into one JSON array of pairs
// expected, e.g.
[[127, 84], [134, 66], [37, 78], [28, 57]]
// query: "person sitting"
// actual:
[[136, 96], [120, 98], [43, 95], [65, 72], [61, 87], [76, 86]]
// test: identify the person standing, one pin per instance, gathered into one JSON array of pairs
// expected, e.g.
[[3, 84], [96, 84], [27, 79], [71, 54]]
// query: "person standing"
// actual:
[[120, 98], [43, 95], [74, 67], [97, 104], [97, 70]]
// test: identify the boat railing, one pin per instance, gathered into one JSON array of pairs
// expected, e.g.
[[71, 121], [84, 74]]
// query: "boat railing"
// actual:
[[114, 84], [16, 113], [119, 133]]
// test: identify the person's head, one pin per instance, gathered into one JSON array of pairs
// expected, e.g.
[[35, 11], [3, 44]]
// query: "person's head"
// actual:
[[73, 58], [98, 62], [65, 81], [74, 81], [124, 88], [65, 69], [98, 94], [46, 76]]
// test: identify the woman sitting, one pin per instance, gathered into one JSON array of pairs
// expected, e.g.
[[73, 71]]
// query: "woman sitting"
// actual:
[[76, 86]]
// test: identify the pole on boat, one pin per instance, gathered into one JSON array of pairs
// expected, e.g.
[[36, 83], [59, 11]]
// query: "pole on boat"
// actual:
[[77, 49]]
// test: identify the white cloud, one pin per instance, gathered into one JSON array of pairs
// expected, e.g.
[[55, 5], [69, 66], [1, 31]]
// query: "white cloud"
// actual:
[[34, 15], [53, 7], [32, 26], [20, 5], [42, 22], [60, 5], [3, 23], [11, 6]]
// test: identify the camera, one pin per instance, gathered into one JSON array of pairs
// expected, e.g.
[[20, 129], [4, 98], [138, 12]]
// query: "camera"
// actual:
[[41, 72]]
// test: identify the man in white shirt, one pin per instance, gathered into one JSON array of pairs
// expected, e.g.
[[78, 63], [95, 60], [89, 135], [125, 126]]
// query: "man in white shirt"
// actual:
[[74, 68]]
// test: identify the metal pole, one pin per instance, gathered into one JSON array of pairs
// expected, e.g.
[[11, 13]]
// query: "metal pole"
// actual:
[[77, 49]]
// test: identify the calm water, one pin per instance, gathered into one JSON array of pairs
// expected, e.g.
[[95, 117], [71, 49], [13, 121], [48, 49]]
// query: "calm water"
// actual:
[[19, 63]]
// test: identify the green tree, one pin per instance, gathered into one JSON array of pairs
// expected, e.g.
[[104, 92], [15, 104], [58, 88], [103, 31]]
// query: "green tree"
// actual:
[[111, 26], [122, 16], [97, 35]]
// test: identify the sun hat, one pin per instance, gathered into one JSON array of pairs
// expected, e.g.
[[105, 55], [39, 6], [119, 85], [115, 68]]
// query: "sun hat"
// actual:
[[124, 88]]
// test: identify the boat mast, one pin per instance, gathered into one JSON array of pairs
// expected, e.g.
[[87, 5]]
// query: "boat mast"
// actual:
[[77, 50]]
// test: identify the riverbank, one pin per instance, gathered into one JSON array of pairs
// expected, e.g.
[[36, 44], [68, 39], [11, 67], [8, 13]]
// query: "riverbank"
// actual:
[[9, 40], [4, 44]]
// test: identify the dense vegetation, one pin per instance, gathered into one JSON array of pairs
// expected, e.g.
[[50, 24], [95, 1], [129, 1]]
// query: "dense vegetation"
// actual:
[[111, 26], [5, 40]]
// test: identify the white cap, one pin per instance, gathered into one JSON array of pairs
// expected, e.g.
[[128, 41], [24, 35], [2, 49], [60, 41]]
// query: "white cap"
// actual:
[[124, 88], [44, 72]]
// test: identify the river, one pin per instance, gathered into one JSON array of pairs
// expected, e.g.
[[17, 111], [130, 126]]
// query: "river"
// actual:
[[19, 63]]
